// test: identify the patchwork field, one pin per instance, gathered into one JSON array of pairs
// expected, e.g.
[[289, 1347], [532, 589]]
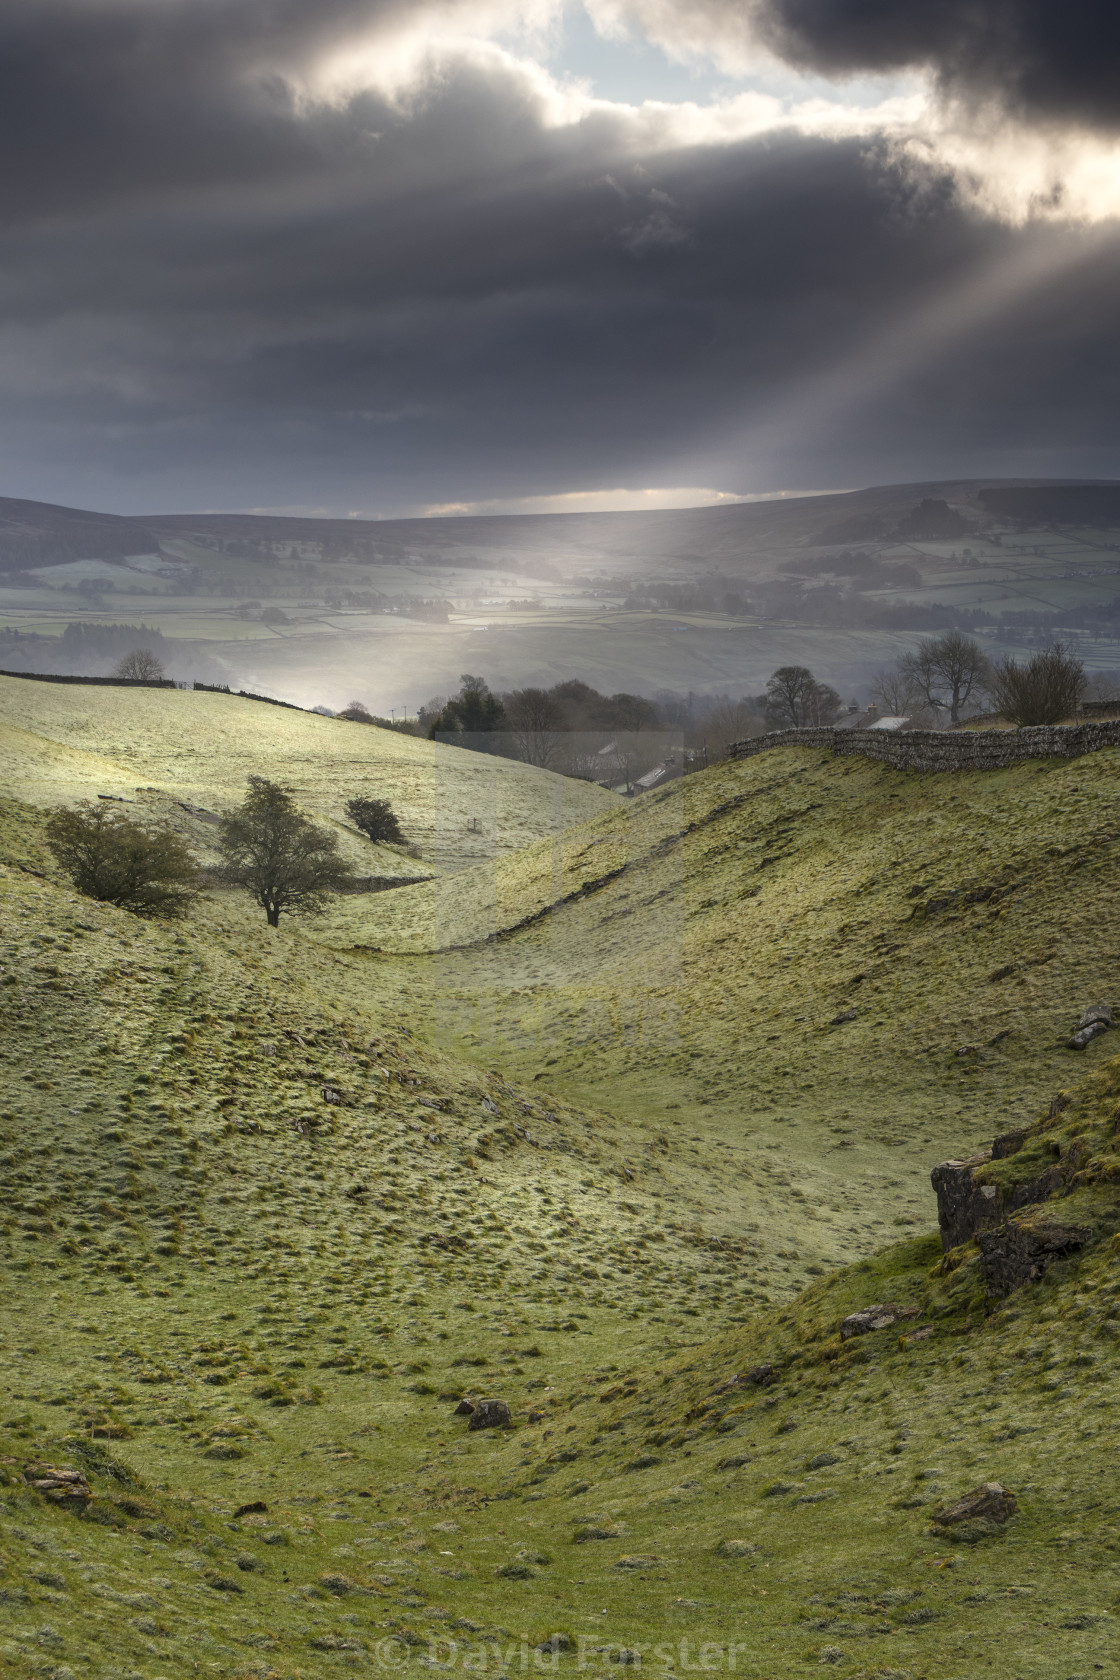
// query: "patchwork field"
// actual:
[[703, 600], [275, 1201]]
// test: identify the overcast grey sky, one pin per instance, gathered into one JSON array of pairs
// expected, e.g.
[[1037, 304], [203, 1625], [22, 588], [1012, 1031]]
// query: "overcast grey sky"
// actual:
[[386, 256]]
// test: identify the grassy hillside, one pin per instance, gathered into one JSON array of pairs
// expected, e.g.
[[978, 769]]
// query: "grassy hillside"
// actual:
[[273, 1203], [224, 1291], [827, 972], [163, 748]]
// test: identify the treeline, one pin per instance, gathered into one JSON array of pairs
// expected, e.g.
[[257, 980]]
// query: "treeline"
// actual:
[[613, 739], [79, 648], [1091, 618], [85, 644], [835, 608], [97, 649]]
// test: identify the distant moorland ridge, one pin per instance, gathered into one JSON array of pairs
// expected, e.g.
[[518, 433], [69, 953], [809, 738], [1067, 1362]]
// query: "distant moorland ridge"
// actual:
[[31, 532]]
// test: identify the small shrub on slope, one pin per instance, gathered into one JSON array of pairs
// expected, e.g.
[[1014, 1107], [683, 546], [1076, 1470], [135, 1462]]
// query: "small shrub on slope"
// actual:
[[376, 819], [1047, 689], [108, 857]]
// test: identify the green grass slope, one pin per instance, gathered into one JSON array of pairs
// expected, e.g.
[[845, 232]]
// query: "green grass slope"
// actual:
[[843, 970], [273, 1202], [225, 1289], [163, 748]]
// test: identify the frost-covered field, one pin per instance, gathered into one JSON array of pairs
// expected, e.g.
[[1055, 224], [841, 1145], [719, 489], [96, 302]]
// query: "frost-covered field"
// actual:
[[63, 742]]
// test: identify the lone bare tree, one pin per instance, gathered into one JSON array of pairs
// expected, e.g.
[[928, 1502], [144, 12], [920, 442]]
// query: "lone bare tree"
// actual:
[[1046, 689], [147, 870], [280, 856], [946, 671], [356, 712], [535, 717], [141, 665]]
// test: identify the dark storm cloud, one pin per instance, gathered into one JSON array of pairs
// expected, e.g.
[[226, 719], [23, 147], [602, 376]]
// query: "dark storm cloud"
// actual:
[[217, 288], [1034, 58]]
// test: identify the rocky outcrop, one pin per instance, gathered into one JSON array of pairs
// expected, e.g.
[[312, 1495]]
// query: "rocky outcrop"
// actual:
[[1022, 1250], [757, 1376], [60, 1486], [946, 749], [967, 1203]]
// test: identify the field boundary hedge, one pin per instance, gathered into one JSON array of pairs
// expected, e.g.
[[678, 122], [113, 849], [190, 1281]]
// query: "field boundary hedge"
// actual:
[[945, 749]]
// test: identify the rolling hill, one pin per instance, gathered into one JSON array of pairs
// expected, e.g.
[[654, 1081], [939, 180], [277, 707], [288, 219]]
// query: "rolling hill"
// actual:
[[273, 1203], [184, 756]]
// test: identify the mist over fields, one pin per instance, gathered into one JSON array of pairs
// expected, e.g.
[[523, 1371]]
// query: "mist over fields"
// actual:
[[705, 601]]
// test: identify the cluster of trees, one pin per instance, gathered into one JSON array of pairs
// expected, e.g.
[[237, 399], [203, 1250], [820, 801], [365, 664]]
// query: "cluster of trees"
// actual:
[[284, 861], [715, 594], [951, 674], [570, 727], [532, 717], [839, 608], [574, 729]]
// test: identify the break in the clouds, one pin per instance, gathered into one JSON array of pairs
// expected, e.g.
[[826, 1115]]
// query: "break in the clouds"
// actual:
[[377, 256]]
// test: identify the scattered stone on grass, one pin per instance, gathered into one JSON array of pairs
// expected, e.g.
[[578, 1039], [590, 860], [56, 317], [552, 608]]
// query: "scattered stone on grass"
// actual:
[[881, 1317], [489, 1414], [991, 1503], [1096, 1020]]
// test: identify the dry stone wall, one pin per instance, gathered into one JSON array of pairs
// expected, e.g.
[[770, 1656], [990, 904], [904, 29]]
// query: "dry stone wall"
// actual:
[[946, 749]]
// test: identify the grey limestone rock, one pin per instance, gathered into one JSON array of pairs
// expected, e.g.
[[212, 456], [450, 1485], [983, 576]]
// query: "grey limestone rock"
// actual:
[[1096, 1020]]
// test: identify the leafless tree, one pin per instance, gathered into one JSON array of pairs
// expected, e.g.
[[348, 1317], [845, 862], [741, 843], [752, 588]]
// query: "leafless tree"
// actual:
[[535, 719], [141, 665], [946, 671], [725, 722], [1046, 689], [895, 693], [1102, 685]]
